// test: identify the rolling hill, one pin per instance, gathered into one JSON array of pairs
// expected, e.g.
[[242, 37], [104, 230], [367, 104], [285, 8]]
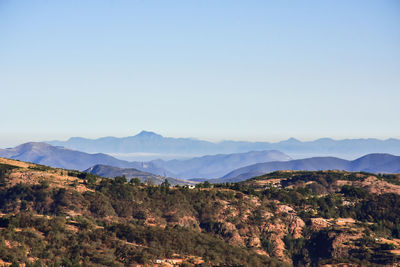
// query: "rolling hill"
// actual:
[[214, 166], [375, 163], [208, 166], [111, 172], [42, 153], [53, 217]]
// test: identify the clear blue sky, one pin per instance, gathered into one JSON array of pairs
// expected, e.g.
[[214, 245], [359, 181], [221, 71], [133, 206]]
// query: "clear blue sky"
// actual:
[[254, 70]]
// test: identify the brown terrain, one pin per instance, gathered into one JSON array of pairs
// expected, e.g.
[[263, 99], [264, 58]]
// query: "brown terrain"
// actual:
[[242, 220]]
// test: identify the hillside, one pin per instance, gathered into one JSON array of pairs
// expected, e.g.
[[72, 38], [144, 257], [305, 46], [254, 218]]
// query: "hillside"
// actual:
[[59, 157], [150, 142], [58, 217], [214, 166], [376, 163], [111, 172], [208, 166]]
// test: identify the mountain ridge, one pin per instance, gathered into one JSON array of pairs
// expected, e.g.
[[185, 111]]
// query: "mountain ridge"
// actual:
[[151, 142], [214, 166], [60, 157], [145, 177], [374, 162], [288, 218]]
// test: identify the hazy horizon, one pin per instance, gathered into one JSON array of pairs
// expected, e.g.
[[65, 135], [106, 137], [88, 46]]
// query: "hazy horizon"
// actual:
[[212, 70], [4, 143]]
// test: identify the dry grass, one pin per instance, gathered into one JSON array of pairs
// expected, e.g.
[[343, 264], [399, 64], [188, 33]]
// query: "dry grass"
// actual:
[[16, 163], [58, 178]]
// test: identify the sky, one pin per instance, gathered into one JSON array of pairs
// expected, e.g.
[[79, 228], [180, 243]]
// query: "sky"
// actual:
[[239, 70]]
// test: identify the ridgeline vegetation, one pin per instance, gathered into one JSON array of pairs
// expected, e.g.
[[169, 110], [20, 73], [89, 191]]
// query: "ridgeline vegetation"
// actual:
[[56, 217]]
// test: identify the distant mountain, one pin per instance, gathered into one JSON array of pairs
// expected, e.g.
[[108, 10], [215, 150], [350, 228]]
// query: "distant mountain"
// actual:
[[375, 163], [42, 153], [215, 166], [111, 172], [208, 166], [150, 142], [145, 141]]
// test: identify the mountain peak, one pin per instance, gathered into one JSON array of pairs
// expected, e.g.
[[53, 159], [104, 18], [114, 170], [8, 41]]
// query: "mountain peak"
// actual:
[[148, 134], [291, 140], [37, 145]]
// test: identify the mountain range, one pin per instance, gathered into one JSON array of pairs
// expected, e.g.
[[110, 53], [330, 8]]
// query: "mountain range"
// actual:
[[374, 163], [203, 167], [230, 167], [150, 142], [215, 166], [42, 153]]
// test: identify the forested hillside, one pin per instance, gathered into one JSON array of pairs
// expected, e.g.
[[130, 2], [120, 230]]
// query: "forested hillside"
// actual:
[[56, 217]]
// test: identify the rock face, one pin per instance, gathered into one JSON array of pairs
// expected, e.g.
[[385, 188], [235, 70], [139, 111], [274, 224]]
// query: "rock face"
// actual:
[[277, 232], [376, 186], [338, 244], [339, 247], [189, 222], [372, 184], [319, 223], [296, 226]]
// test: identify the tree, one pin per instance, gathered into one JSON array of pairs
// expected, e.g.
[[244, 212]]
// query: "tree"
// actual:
[[120, 179], [90, 179], [165, 186], [135, 181]]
